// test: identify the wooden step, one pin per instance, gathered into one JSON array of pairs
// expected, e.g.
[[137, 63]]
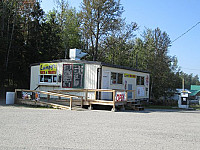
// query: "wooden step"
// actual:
[[139, 108], [137, 105]]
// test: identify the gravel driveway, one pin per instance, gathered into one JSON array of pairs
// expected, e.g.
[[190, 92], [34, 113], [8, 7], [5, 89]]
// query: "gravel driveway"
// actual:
[[38, 128]]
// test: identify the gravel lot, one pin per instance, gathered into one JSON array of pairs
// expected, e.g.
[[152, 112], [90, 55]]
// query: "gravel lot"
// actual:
[[39, 128]]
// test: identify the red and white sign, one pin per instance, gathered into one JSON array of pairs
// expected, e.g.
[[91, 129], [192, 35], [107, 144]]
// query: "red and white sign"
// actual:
[[120, 96]]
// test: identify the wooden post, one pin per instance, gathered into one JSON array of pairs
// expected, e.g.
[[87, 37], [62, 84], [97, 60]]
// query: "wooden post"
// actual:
[[90, 107], [95, 95], [114, 93], [86, 94], [81, 102], [70, 103], [48, 97], [59, 98], [134, 95], [126, 95], [15, 101]]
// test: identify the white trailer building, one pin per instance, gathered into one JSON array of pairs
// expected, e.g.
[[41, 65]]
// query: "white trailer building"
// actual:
[[68, 74]]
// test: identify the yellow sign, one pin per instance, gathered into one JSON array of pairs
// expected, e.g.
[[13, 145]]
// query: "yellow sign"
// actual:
[[129, 75], [48, 68]]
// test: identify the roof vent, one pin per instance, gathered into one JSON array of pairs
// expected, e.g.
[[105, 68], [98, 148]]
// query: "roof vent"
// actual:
[[76, 54]]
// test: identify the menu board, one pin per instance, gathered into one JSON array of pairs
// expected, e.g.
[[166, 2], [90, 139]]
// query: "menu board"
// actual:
[[73, 76], [78, 73], [67, 76]]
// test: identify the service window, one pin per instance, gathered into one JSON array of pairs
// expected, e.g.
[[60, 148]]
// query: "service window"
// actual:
[[116, 78], [48, 78], [140, 80]]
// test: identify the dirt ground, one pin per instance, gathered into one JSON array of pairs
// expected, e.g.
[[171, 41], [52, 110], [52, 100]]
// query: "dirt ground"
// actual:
[[41, 128]]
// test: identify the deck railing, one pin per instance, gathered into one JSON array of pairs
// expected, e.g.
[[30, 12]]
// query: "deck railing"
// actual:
[[19, 95], [119, 97]]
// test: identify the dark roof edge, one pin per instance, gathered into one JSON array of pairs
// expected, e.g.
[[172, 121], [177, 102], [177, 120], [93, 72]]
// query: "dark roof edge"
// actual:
[[123, 67], [91, 62], [68, 60]]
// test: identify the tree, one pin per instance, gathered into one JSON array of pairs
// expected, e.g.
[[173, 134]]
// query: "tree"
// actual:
[[189, 79], [152, 55], [69, 23], [115, 49], [51, 45], [11, 43], [98, 19]]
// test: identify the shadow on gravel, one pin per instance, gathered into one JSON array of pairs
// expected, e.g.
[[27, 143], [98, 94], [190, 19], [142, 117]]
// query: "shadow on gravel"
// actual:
[[108, 108], [163, 110], [2, 102]]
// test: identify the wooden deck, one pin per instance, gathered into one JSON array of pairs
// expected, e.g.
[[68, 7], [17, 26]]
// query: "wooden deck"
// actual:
[[63, 100]]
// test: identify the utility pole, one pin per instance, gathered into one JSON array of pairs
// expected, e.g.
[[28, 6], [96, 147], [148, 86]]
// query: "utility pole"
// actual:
[[183, 84]]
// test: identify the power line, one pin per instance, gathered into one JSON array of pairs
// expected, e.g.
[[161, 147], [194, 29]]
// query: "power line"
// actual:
[[186, 32]]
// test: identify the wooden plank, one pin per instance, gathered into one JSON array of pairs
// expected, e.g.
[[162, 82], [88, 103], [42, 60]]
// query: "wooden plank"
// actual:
[[119, 90], [50, 93], [86, 95], [59, 92], [82, 102], [100, 90], [100, 101], [134, 95], [97, 103], [114, 93], [48, 97], [77, 90], [126, 95], [95, 95], [70, 103], [33, 102]]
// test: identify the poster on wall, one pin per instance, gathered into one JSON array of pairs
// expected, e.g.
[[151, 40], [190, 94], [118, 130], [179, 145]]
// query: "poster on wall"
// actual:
[[27, 95], [140, 91], [73, 76], [48, 68]]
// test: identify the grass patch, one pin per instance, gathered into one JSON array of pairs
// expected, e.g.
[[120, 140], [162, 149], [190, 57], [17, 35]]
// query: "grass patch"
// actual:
[[159, 107], [197, 107]]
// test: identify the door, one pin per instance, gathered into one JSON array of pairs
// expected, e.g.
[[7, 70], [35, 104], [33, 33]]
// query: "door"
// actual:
[[130, 94], [105, 85]]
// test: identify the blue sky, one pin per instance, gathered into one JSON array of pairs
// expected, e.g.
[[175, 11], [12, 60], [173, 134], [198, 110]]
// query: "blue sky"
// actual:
[[172, 16]]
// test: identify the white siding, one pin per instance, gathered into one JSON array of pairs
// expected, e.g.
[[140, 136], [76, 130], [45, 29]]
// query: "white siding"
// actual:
[[34, 77], [90, 76], [128, 80], [90, 79]]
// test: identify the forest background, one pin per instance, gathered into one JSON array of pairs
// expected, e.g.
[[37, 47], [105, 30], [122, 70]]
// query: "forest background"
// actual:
[[28, 36]]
